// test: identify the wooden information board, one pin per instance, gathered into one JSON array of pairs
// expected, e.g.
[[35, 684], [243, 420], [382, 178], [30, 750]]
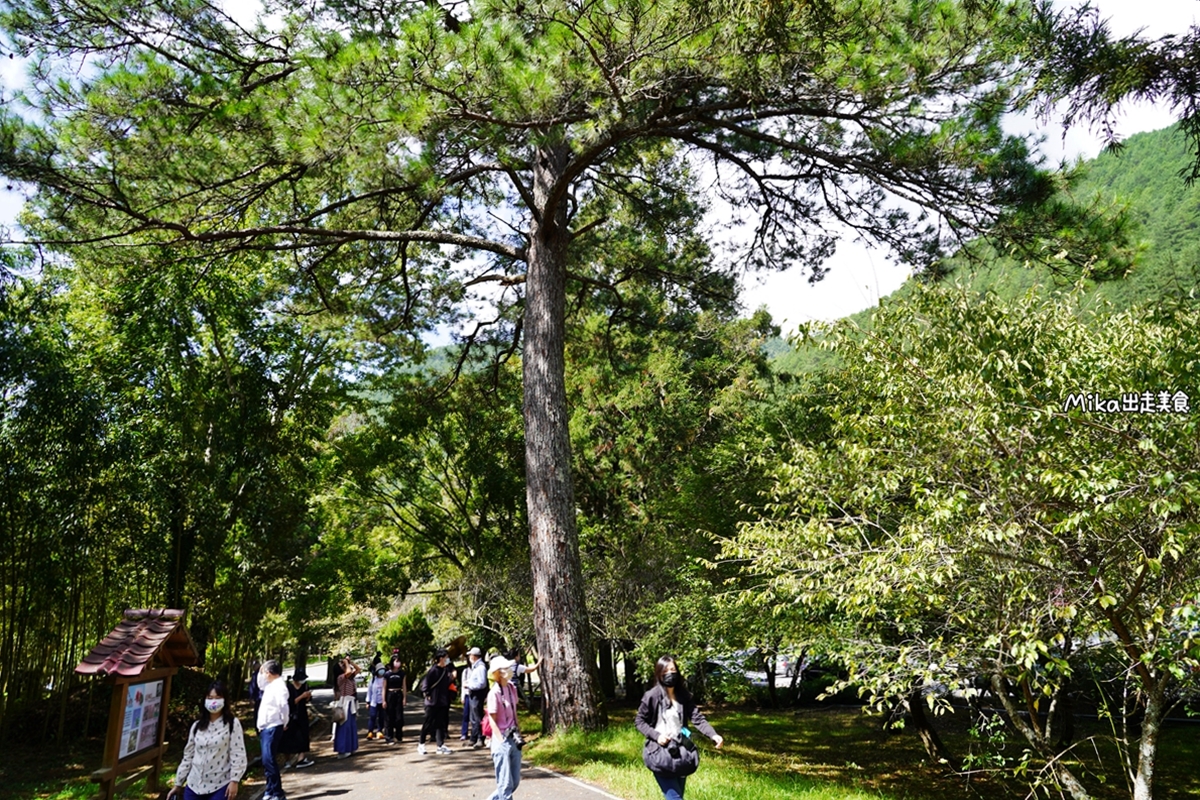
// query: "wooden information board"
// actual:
[[139, 658]]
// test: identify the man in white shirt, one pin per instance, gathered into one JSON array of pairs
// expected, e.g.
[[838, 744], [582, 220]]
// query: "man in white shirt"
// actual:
[[272, 720]]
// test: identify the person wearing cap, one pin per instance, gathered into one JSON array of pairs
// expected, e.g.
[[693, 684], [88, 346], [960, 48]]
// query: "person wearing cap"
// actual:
[[295, 743], [435, 687], [475, 691], [501, 709], [375, 721]]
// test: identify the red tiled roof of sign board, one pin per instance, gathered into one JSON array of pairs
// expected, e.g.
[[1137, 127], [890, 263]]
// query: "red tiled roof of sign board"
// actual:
[[134, 644]]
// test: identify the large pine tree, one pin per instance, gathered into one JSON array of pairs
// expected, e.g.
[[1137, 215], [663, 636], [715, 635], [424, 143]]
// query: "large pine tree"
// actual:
[[398, 154]]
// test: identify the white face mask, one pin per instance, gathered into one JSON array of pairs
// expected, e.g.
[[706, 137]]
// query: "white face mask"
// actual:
[[214, 704], [262, 680]]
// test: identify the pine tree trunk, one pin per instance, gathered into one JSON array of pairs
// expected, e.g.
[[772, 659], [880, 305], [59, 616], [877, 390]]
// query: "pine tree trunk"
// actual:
[[569, 680], [633, 686]]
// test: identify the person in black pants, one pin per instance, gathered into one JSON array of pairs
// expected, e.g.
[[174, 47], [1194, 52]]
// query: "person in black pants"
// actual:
[[395, 694], [435, 686], [476, 684]]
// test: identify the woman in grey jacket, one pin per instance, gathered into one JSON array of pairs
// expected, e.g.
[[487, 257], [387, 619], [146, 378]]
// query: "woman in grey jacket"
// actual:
[[662, 717]]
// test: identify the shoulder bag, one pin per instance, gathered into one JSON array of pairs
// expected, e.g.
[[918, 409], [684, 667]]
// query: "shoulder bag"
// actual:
[[680, 757]]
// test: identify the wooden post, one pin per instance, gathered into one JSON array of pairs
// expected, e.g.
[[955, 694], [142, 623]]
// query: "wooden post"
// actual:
[[112, 741], [156, 770], [113, 767]]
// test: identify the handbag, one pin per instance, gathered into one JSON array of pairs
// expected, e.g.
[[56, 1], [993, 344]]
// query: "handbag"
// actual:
[[342, 708], [680, 757]]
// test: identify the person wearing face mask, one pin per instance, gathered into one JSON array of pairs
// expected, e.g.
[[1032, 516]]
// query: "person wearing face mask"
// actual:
[[296, 740], [506, 741], [395, 695], [663, 716], [475, 690], [435, 687], [214, 757], [273, 718]]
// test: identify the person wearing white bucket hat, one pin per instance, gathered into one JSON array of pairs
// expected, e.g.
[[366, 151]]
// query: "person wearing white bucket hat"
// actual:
[[501, 711]]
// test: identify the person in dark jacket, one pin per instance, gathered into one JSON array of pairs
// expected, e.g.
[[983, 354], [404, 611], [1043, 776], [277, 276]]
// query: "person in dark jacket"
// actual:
[[395, 694], [665, 711], [295, 742], [435, 686]]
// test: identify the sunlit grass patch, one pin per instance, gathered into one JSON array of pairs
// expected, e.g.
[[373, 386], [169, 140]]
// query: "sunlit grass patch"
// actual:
[[745, 769], [832, 753]]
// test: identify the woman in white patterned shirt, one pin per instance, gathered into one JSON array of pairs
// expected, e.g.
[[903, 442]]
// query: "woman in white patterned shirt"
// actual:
[[214, 758]]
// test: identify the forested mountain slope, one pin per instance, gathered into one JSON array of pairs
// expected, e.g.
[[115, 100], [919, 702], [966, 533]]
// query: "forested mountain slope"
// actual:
[[1145, 178]]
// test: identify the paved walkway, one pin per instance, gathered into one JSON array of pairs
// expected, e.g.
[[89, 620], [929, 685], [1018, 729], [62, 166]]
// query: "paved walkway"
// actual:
[[379, 771]]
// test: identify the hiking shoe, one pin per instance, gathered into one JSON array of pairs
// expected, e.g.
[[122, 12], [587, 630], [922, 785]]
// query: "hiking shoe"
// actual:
[[477, 746], [308, 762], [421, 749]]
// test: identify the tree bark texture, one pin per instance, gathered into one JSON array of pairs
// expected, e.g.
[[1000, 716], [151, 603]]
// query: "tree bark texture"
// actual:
[[569, 680], [633, 686], [608, 668], [1143, 779]]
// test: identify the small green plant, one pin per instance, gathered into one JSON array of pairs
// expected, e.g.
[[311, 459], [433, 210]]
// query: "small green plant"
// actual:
[[988, 740]]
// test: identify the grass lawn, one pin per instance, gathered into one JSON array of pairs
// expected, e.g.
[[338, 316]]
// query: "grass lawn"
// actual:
[[831, 753]]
